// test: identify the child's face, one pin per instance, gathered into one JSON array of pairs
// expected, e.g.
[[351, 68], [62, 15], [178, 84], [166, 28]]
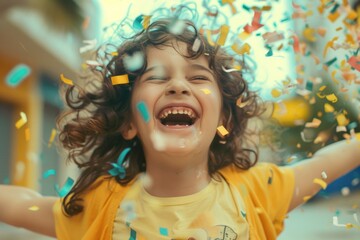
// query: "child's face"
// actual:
[[183, 101]]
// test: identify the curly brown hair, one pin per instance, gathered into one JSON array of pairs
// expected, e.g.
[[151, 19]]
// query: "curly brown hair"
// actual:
[[97, 118]]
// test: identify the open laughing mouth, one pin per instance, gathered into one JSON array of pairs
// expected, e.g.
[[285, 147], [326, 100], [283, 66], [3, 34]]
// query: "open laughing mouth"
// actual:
[[178, 116]]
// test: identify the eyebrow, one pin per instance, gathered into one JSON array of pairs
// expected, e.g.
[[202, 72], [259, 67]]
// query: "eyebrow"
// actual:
[[201, 67]]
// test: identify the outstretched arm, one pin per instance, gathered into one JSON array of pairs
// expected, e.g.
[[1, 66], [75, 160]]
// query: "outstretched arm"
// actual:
[[25, 208], [335, 160]]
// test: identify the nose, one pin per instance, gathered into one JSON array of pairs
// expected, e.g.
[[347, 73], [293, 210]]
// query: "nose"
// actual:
[[177, 86]]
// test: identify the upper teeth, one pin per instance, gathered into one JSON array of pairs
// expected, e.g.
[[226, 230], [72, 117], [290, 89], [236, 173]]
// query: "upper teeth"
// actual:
[[187, 111]]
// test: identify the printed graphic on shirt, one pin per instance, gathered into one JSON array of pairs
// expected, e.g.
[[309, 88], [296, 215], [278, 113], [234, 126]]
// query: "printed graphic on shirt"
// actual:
[[218, 232]]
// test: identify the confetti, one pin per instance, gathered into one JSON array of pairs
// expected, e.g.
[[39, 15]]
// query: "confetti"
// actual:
[[52, 137], [224, 31], [236, 68], [134, 62], [355, 62], [314, 124], [321, 182], [48, 173], [309, 34], [17, 75], [89, 45], [22, 121], [66, 80], [142, 108], [120, 79], [196, 45], [206, 91], [244, 49], [118, 168], [66, 187], [34, 208], [163, 231], [221, 131], [323, 175], [345, 191], [177, 27]]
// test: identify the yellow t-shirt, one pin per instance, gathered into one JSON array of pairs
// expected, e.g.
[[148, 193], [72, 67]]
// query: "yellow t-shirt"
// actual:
[[265, 189], [216, 212]]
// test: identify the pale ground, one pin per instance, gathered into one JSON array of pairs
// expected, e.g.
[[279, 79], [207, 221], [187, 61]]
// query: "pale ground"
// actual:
[[312, 221]]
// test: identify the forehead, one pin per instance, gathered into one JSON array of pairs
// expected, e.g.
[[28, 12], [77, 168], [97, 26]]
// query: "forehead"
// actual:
[[173, 52]]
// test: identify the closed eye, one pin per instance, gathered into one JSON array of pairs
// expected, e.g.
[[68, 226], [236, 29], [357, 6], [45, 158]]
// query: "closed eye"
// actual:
[[163, 78], [199, 78]]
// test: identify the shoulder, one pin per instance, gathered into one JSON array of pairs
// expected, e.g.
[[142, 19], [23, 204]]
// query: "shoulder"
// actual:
[[262, 173]]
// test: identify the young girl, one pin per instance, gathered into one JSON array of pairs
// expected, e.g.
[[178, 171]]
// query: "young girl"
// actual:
[[169, 153]]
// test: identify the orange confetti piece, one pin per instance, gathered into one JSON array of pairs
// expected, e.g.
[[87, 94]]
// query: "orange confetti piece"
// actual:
[[22, 121], [314, 124], [321, 182], [355, 62], [321, 31], [66, 80], [222, 132], [120, 79], [334, 16]]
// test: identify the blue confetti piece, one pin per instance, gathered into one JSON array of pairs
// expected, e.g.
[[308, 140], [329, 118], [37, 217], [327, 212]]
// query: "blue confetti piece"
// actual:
[[49, 173], [132, 234], [164, 231], [137, 24], [17, 75], [66, 188], [118, 169], [142, 108]]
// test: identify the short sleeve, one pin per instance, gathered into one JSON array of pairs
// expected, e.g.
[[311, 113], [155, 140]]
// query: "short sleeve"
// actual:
[[274, 187]]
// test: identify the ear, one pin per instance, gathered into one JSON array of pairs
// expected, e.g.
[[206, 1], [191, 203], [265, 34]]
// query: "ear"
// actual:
[[130, 132]]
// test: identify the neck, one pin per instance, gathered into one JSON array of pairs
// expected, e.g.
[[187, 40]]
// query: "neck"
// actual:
[[174, 181]]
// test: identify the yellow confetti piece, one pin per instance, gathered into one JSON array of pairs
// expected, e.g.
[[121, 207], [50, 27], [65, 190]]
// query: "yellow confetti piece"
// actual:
[[224, 31], [221, 131], [332, 98], [342, 120], [146, 21], [244, 49], [309, 34], [240, 103], [22, 121], [120, 79], [34, 208], [321, 182], [206, 91], [66, 80], [52, 137], [333, 16], [328, 108], [276, 93], [114, 54]]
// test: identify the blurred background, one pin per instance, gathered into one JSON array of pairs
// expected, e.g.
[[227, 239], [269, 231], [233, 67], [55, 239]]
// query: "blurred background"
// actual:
[[306, 61]]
